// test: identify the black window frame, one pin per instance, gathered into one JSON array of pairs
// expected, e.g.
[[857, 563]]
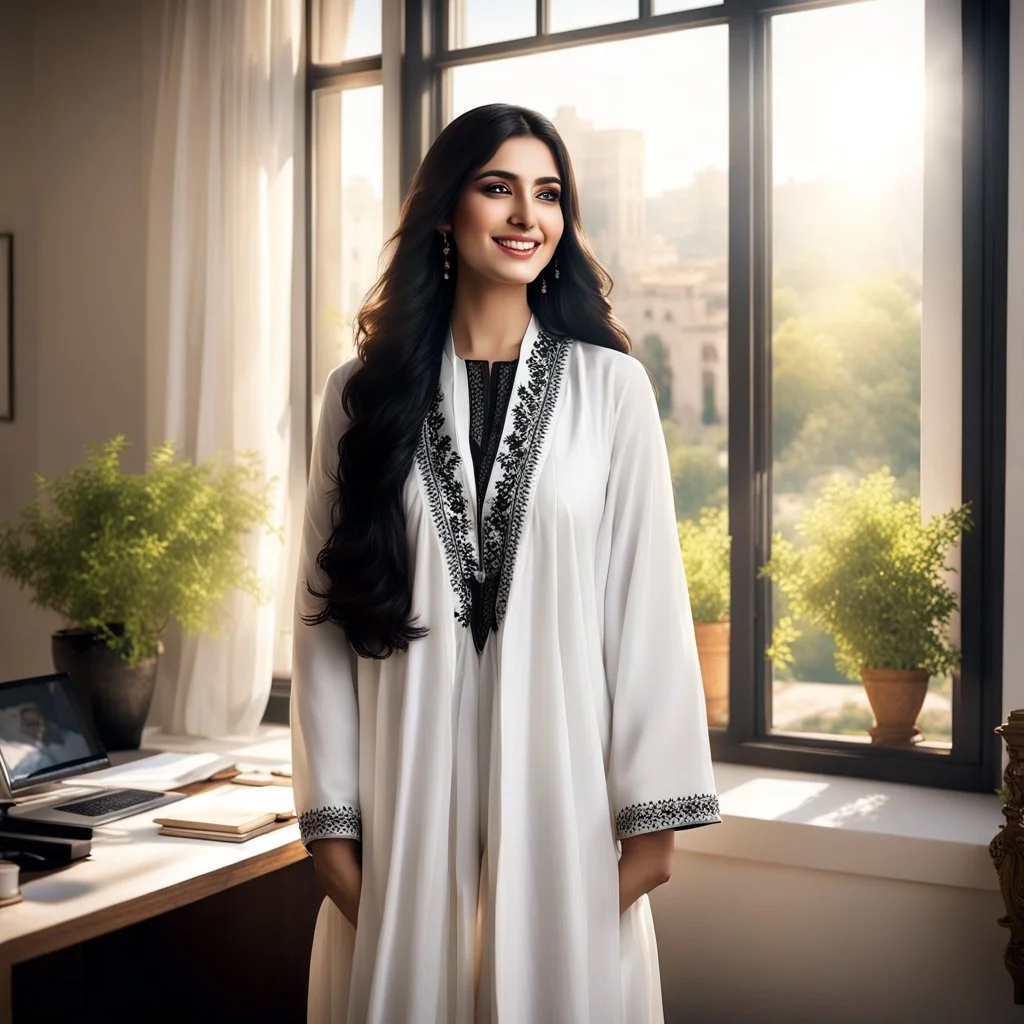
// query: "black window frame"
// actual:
[[973, 763]]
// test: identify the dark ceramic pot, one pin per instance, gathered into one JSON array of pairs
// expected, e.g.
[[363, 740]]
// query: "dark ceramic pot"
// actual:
[[116, 695]]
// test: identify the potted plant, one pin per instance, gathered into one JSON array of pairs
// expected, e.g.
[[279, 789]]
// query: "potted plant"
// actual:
[[120, 555], [868, 572], [705, 549]]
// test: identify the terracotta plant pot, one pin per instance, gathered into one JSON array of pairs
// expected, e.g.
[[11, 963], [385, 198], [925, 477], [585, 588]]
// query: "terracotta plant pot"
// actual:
[[116, 696], [896, 697], [713, 652]]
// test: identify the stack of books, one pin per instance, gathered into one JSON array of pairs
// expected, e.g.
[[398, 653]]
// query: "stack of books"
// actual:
[[223, 823]]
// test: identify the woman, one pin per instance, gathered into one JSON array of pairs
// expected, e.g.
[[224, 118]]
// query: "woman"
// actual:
[[495, 683]]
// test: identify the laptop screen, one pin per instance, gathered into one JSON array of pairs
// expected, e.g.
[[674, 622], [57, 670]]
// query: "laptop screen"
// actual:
[[43, 734]]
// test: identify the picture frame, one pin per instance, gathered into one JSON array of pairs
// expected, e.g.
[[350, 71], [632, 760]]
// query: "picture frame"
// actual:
[[6, 327]]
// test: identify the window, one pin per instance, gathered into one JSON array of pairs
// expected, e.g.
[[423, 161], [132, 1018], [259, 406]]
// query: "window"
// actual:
[[348, 195], [879, 246], [812, 291], [847, 300], [642, 195], [346, 190]]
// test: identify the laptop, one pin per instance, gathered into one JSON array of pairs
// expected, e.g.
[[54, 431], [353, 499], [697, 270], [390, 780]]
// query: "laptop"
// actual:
[[46, 740]]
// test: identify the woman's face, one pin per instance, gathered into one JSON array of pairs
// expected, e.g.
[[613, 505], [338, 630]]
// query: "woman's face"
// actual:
[[507, 220]]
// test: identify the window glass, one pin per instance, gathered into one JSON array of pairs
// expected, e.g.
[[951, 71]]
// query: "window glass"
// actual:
[[344, 30], [673, 6], [848, 268], [570, 14], [478, 22], [653, 184], [347, 222]]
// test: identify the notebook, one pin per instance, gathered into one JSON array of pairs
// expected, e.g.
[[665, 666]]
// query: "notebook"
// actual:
[[223, 837], [47, 739], [219, 819]]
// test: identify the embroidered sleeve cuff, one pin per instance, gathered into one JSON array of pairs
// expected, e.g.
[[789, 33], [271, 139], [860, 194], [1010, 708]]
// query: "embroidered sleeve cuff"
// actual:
[[342, 822], [655, 815]]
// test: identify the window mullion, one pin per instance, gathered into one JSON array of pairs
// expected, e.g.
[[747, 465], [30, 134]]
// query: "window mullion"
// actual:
[[392, 28], [419, 98], [742, 510], [761, 292], [986, 75]]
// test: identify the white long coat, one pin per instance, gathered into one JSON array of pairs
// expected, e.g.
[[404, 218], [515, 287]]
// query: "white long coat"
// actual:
[[489, 788]]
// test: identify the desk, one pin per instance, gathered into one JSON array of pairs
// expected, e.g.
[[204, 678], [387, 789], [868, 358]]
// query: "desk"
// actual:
[[195, 929]]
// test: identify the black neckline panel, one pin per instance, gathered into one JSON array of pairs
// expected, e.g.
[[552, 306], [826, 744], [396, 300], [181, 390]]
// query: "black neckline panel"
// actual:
[[490, 391]]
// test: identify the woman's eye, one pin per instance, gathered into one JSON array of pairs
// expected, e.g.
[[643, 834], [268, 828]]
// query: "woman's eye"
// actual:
[[499, 188]]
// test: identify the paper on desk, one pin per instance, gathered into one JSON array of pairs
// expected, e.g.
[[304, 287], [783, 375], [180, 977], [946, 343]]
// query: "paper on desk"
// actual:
[[257, 799], [161, 771]]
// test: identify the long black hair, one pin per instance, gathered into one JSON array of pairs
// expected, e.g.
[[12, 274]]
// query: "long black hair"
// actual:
[[400, 335]]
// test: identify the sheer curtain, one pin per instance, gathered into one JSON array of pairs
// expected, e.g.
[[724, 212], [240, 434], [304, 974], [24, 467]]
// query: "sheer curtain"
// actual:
[[221, 308]]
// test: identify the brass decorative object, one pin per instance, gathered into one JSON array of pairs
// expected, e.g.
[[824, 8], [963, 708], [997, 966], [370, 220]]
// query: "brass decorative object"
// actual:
[[1007, 850]]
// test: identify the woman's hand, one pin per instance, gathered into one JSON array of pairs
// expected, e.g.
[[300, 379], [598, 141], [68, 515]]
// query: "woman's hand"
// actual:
[[646, 863], [339, 870]]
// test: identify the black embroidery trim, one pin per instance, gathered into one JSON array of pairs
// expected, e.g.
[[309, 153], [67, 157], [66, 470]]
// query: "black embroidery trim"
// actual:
[[475, 371], [655, 815], [439, 463], [531, 417], [342, 822]]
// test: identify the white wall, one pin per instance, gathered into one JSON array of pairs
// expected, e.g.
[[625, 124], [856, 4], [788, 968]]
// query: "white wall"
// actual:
[[19, 440], [76, 92], [765, 944]]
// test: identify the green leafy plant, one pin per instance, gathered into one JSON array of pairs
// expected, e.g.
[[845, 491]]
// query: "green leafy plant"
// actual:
[[868, 573], [705, 549], [122, 554]]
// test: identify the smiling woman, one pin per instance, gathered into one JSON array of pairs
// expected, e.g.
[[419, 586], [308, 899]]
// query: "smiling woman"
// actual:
[[506, 227], [490, 586]]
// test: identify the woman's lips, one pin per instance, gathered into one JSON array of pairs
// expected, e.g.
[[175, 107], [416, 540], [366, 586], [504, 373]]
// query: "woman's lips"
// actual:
[[519, 254]]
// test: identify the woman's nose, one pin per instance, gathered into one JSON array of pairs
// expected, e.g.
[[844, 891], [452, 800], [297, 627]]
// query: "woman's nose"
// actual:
[[522, 212]]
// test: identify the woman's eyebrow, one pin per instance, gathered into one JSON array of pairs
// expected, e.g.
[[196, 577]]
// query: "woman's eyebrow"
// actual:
[[509, 176]]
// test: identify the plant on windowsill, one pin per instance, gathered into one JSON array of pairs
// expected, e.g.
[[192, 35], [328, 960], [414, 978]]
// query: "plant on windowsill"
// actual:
[[119, 555], [704, 544], [868, 572]]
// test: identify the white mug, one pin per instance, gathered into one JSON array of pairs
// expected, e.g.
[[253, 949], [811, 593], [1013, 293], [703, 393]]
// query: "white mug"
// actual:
[[8, 879]]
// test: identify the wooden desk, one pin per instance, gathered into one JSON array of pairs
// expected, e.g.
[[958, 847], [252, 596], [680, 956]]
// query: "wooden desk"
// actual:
[[152, 928]]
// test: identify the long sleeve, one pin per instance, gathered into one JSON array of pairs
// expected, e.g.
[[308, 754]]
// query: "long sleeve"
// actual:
[[324, 711], [659, 774]]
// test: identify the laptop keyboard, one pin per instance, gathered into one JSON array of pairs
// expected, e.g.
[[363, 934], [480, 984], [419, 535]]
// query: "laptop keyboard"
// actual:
[[118, 800]]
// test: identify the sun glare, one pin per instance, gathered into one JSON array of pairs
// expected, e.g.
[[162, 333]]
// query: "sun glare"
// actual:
[[877, 132]]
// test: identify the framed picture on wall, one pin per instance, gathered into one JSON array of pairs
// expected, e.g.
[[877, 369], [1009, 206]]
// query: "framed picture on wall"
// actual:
[[6, 327]]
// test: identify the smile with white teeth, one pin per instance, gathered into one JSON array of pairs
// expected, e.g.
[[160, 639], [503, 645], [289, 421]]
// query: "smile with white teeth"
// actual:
[[508, 243]]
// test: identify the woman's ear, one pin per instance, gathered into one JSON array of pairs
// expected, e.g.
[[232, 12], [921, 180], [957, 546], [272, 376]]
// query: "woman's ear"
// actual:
[[445, 225]]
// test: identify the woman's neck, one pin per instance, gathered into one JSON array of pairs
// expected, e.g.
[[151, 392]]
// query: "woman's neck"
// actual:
[[489, 323]]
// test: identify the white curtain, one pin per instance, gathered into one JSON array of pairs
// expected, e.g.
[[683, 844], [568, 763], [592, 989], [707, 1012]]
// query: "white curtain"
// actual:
[[220, 307]]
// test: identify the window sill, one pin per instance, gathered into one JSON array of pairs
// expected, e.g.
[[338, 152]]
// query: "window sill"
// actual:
[[856, 826], [795, 819]]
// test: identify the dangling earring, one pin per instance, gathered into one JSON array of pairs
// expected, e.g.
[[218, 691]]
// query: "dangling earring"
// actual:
[[444, 235], [557, 271], [543, 285]]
